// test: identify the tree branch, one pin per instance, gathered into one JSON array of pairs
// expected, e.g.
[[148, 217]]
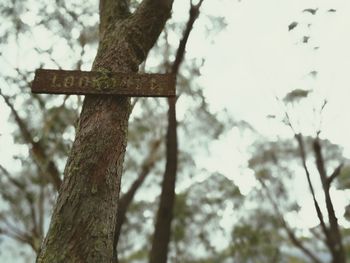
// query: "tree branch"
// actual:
[[334, 238], [127, 198], [134, 35], [14, 181], [300, 245], [111, 11], [317, 235], [28, 197], [320, 162], [164, 216], [17, 234], [146, 24], [37, 149], [193, 15], [291, 235], [325, 230], [41, 211], [334, 175], [22, 126], [154, 7]]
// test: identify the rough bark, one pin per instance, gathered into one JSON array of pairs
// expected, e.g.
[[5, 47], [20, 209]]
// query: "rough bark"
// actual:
[[83, 221], [162, 233]]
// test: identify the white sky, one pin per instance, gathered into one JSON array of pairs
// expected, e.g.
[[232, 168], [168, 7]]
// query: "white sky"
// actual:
[[254, 59], [257, 59]]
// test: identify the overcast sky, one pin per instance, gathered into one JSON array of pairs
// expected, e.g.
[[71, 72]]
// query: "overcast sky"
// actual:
[[256, 59]]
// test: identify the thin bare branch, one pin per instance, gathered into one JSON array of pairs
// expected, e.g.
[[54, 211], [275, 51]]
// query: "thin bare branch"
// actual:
[[41, 211], [33, 214], [299, 139], [334, 237], [335, 174], [28, 197], [325, 102], [320, 161], [41, 52], [291, 235], [127, 198], [12, 180], [193, 15], [21, 124], [15, 232], [37, 149]]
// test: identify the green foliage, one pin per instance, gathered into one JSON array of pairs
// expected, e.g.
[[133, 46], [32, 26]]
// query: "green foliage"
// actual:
[[347, 212], [136, 256], [277, 165], [257, 239], [292, 25], [292, 259], [43, 125], [198, 213], [296, 95], [343, 180]]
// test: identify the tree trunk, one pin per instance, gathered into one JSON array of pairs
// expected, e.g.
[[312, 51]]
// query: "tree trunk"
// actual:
[[83, 221], [161, 237], [334, 237], [126, 200]]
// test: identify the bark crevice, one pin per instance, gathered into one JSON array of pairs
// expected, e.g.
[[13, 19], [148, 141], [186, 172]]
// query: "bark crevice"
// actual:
[[83, 221]]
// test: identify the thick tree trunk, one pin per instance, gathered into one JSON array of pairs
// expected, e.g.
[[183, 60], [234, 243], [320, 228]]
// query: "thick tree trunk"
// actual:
[[83, 221]]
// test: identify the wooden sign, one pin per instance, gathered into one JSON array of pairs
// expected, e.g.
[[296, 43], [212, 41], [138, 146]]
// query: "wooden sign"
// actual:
[[109, 83]]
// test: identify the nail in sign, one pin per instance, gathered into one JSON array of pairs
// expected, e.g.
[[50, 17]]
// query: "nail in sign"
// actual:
[[101, 83]]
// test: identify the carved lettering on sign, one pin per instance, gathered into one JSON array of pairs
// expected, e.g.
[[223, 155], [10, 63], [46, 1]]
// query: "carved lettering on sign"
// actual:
[[82, 82], [68, 81], [54, 81]]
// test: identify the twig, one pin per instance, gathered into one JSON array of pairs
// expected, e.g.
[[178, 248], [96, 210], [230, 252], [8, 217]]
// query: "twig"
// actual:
[[293, 238], [41, 157], [317, 207], [335, 174]]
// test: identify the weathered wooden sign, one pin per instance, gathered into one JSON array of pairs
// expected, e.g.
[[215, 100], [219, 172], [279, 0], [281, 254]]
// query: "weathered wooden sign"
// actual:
[[84, 82]]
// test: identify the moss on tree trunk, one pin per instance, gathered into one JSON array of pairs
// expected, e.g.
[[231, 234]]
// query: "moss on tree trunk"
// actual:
[[83, 221]]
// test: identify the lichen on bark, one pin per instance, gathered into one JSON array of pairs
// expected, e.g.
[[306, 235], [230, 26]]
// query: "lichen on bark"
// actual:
[[83, 221]]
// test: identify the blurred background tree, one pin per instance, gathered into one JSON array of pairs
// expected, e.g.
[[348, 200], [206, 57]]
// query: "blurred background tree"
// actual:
[[288, 168]]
